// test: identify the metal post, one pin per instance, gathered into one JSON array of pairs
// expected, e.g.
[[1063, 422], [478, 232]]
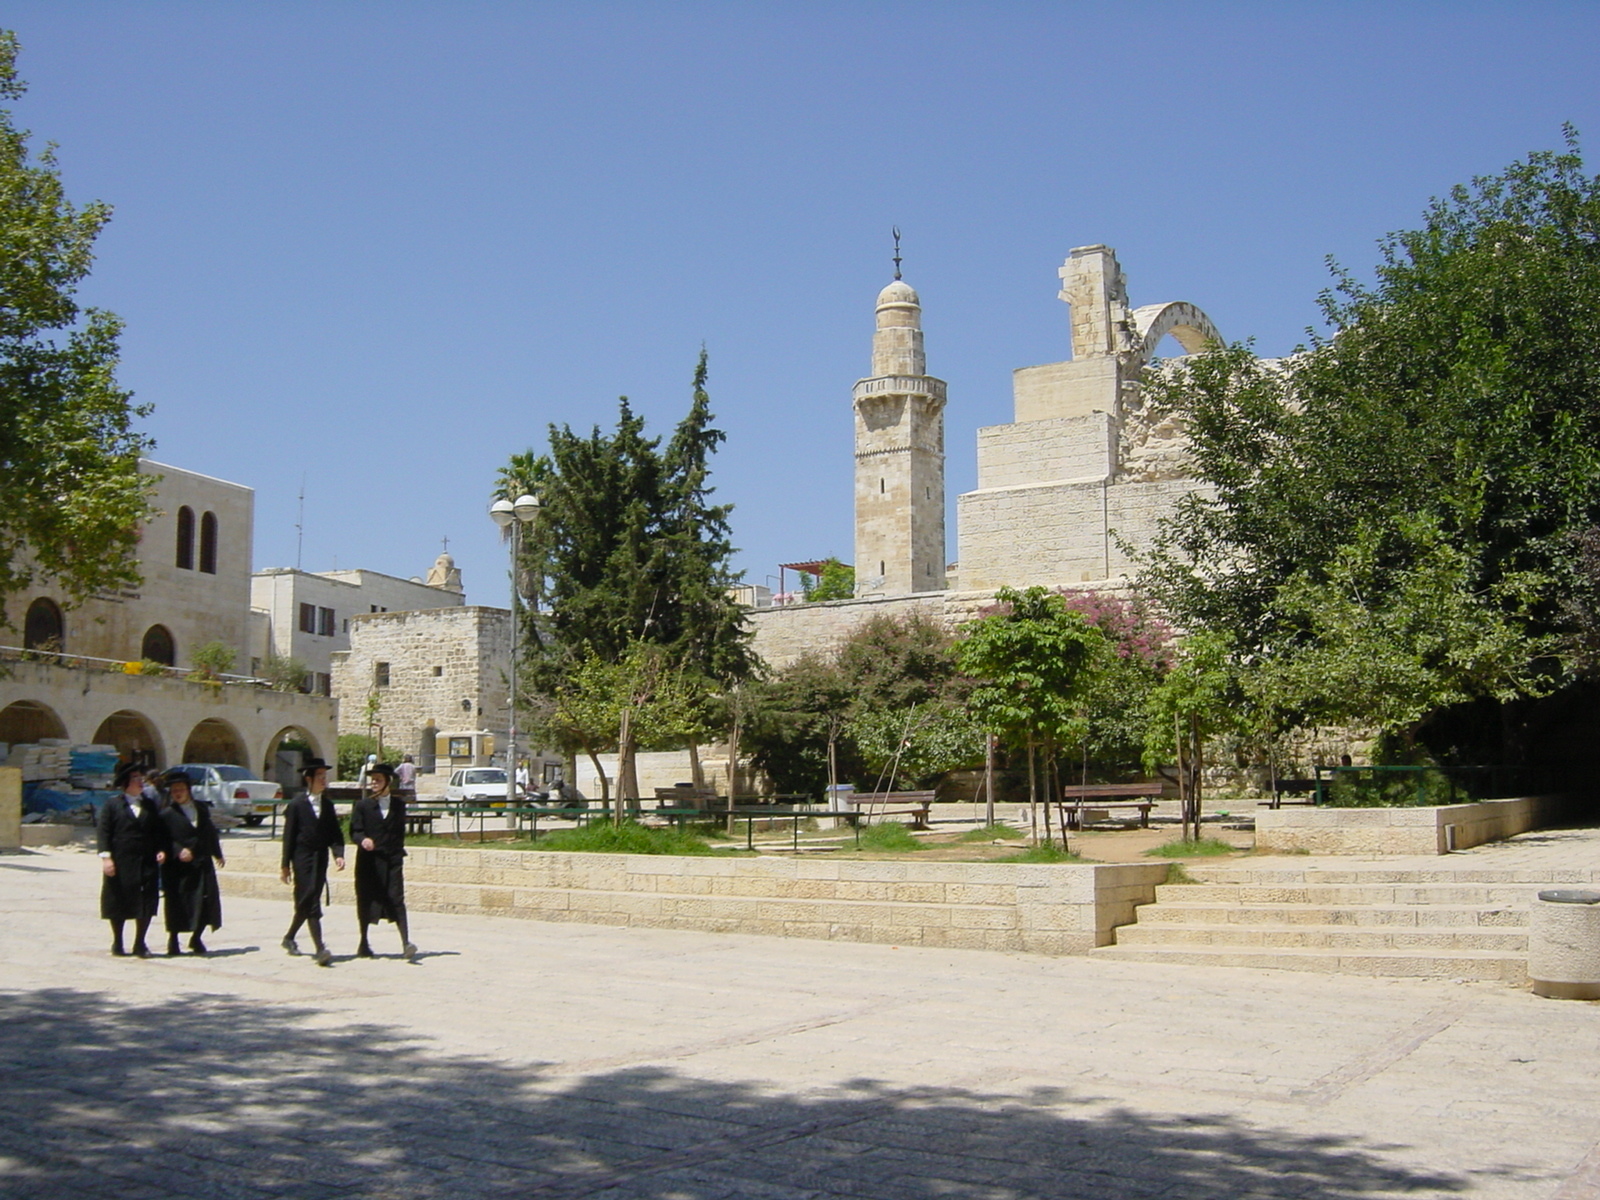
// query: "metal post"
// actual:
[[511, 737]]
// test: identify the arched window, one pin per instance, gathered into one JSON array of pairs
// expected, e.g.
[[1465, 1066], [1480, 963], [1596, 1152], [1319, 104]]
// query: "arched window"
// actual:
[[158, 646], [186, 538], [208, 543], [43, 628]]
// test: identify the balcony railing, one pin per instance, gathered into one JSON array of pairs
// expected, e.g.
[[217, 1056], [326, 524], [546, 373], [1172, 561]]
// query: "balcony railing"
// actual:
[[117, 666]]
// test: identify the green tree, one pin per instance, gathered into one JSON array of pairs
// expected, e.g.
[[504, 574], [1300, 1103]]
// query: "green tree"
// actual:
[[835, 581], [1395, 506], [284, 673], [1196, 700], [71, 495], [1034, 661], [629, 548]]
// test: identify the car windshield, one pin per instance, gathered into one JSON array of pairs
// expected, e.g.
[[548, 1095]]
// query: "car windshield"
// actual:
[[487, 775], [234, 774]]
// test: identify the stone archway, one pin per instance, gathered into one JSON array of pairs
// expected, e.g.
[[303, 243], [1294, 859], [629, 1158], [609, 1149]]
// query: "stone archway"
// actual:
[[135, 736], [286, 750], [215, 741], [1185, 322], [28, 721]]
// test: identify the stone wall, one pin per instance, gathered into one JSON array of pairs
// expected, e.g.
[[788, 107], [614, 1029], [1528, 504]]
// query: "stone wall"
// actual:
[[1378, 831], [1042, 909], [447, 668]]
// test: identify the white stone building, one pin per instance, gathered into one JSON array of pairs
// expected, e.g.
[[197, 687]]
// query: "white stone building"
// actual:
[[306, 614], [93, 673]]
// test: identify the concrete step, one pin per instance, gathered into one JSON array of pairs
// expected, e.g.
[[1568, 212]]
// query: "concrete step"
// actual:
[[1458, 964], [1326, 894], [1171, 912], [1418, 939], [1450, 870]]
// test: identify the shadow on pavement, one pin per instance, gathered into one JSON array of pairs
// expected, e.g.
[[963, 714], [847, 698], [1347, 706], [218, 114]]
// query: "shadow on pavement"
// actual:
[[219, 1098]]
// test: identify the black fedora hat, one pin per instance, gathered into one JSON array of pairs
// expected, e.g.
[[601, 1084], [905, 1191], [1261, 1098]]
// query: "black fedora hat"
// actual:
[[310, 765]]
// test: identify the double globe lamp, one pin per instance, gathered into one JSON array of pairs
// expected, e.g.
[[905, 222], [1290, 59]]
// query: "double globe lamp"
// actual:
[[513, 515]]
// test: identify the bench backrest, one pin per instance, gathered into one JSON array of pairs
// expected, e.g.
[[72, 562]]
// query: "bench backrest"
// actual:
[[860, 798], [1106, 791]]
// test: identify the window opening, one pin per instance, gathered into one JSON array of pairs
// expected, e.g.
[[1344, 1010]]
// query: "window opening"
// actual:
[[185, 559], [208, 543]]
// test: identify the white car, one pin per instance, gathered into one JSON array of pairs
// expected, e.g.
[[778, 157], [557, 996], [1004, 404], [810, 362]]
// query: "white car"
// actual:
[[477, 785], [231, 791]]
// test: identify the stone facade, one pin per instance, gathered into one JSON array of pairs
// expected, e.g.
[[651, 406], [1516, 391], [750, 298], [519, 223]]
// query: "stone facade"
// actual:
[[281, 596], [438, 674], [207, 600], [899, 440]]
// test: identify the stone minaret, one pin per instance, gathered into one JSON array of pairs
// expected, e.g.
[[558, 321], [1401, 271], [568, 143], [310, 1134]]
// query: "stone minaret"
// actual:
[[899, 458]]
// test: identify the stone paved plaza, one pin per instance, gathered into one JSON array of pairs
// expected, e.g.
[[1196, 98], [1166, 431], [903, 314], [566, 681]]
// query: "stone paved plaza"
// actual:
[[520, 1059]]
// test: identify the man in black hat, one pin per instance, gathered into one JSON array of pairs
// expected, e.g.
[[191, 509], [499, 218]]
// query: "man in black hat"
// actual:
[[310, 833], [132, 840], [378, 828], [189, 876]]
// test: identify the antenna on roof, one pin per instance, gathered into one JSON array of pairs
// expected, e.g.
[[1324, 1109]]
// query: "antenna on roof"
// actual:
[[300, 524], [897, 252]]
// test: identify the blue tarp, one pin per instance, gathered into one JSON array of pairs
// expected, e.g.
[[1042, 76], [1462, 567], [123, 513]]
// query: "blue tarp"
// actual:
[[45, 796]]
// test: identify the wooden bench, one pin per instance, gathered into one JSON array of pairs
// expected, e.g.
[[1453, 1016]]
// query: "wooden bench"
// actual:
[[916, 805], [1079, 801], [1305, 789], [686, 797]]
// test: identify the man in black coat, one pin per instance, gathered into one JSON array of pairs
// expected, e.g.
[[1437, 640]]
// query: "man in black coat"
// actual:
[[378, 828], [310, 833], [132, 840], [189, 876]]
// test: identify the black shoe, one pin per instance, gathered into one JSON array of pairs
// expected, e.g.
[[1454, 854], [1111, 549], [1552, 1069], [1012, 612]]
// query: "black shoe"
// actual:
[[117, 950], [363, 951], [410, 952], [172, 946], [291, 946], [196, 946], [141, 951], [322, 957]]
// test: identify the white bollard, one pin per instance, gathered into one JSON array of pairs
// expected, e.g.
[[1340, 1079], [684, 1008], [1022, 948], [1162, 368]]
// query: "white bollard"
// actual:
[[1564, 944]]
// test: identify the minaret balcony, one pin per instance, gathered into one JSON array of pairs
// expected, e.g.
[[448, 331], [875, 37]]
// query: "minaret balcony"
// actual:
[[900, 385]]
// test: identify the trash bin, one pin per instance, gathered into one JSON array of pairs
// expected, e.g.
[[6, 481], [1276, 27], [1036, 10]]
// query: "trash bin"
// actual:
[[1564, 944]]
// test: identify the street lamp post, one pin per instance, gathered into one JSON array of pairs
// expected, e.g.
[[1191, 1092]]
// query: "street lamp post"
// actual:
[[513, 515]]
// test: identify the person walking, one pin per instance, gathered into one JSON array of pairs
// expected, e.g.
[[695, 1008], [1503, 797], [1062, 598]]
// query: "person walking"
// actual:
[[378, 828], [405, 780], [189, 876], [132, 841], [311, 832]]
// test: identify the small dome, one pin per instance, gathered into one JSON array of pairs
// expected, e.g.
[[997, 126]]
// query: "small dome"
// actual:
[[898, 292]]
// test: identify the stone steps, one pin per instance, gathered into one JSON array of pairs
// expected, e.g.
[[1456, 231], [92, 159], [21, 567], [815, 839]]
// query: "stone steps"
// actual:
[[1367, 920], [1457, 964]]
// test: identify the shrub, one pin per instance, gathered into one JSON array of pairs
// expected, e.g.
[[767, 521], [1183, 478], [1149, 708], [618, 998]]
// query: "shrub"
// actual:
[[891, 835], [604, 837]]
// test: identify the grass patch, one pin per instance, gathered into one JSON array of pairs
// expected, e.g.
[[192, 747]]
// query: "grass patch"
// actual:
[[1196, 848], [1044, 852], [1178, 873], [989, 832], [891, 835], [603, 837]]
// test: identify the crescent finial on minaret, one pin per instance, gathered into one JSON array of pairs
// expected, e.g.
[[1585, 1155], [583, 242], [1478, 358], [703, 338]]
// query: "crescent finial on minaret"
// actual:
[[897, 252]]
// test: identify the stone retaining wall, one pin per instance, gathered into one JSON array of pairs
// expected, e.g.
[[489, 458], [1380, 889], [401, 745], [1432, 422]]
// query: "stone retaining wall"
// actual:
[[1401, 830], [1044, 909]]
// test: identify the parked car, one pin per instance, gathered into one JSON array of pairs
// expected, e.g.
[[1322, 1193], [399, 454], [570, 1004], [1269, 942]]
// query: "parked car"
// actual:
[[231, 791], [478, 785]]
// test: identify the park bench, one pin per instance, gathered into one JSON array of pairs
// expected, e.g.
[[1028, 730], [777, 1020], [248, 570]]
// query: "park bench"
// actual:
[[916, 805], [1305, 789], [686, 795], [1093, 801]]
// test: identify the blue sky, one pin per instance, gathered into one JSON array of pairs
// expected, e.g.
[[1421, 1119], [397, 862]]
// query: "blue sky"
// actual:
[[382, 246]]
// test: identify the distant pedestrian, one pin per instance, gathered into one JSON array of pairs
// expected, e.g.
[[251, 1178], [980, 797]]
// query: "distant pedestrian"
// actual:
[[189, 876], [378, 828], [132, 840], [311, 832], [405, 779]]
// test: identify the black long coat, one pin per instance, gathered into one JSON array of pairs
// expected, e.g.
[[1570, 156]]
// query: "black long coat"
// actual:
[[307, 842], [380, 872], [133, 893], [190, 888]]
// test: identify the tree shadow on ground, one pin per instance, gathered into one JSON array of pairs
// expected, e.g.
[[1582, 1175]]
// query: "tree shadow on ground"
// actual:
[[219, 1098]]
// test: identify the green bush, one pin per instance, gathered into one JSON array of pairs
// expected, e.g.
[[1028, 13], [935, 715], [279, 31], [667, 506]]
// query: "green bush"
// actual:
[[1392, 789], [1193, 848], [353, 751]]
